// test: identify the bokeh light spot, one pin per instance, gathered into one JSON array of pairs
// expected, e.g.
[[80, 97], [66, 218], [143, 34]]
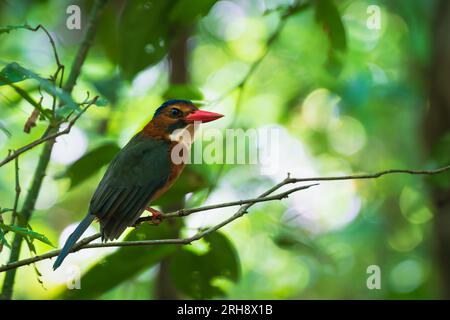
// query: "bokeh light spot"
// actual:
[[407, 276], [70, 147], [412, 206], [346, 135]]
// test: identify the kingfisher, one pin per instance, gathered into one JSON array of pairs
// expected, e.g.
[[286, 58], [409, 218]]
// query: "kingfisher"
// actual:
[[143, 170]]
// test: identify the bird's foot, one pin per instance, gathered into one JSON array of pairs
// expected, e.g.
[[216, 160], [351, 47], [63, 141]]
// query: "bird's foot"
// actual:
[[157, 216]]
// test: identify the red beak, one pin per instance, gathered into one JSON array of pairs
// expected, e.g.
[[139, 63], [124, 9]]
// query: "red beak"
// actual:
[[203, 116]]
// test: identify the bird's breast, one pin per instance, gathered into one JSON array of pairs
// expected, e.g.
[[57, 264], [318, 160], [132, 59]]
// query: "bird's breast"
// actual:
[[175, 171]]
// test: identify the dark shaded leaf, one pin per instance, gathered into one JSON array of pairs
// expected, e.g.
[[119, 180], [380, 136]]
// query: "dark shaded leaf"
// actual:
[[193, 274], [125, 263], [12, 73], [134, 45], [108, 87], [90, 163], [328, 16]]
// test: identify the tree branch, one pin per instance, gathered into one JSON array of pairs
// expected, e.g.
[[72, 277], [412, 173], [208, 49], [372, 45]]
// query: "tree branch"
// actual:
[[44, 159], [245, 205], [18, 190], [85, 243], [47, 137]]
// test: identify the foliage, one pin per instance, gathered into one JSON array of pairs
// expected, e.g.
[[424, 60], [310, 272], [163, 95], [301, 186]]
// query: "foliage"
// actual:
[[345, 97]]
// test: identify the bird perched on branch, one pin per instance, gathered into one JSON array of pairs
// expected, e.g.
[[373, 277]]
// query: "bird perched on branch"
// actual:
[[142, 171]]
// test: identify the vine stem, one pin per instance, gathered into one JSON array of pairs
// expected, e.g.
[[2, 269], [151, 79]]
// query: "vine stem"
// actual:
[[40, 171]]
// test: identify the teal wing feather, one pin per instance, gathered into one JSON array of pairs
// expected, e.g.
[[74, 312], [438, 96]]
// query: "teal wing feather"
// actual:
[[140, 169]]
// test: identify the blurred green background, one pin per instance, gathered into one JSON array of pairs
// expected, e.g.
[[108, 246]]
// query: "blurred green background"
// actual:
[[352, 86]]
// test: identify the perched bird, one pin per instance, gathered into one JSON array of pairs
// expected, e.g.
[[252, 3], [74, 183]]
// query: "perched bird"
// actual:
[[141, 172]]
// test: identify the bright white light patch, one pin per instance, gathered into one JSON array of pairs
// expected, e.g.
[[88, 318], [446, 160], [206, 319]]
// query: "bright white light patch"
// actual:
[[69, 147], [48, 195]]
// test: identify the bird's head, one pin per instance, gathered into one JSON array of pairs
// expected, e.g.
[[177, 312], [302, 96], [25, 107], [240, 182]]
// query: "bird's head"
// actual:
[[177, 114]]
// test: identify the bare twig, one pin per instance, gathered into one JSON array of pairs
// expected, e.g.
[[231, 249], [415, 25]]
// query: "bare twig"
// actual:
[[187, 212], [50, 38], [245, 205], [48, 137]]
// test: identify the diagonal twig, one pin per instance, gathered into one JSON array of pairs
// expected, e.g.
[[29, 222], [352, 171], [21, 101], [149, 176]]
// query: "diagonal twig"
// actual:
[[245, 205]]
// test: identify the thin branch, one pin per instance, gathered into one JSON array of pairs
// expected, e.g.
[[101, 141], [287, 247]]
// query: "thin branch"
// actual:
[[45, 138], [44, 158], [187, 212], [372, 175], [18, 190], [85, 243], [245, 205]]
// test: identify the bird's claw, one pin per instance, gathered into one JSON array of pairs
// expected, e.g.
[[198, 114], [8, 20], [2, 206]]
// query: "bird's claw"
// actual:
[[157, 216]]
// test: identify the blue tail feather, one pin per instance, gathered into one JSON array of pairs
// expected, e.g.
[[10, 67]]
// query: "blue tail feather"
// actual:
[[73, 238]]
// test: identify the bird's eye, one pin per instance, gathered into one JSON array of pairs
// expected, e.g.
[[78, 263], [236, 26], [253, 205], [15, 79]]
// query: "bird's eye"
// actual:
[[175, 112]]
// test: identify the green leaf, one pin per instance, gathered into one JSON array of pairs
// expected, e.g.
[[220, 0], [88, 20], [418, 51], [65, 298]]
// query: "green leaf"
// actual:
[[24, 232], [193, 273], [8, 29], [128, 42], [134, 45], [180, 91], [101, 102], [90, 163], [125, 263], [13, 72]]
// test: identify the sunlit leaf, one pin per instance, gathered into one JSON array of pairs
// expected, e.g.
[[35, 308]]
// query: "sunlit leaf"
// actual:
[[186, 11], [24, 232], [193, 273], [327, 14], [135, 46], [13, 72]]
